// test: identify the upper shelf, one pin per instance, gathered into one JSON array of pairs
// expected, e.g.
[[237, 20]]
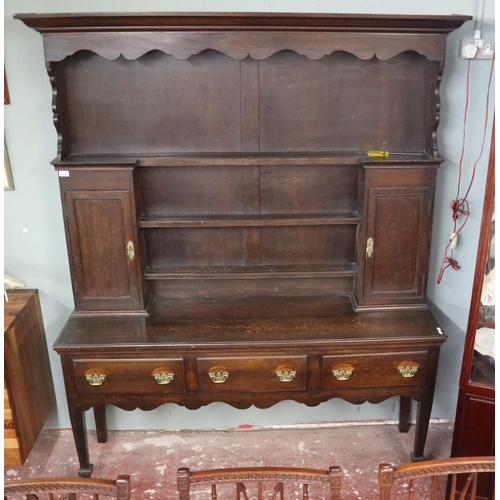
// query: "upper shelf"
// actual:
[[242, 159]]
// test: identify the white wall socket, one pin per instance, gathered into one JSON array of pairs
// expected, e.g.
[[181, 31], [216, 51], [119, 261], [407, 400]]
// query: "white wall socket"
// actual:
[[477, 48]]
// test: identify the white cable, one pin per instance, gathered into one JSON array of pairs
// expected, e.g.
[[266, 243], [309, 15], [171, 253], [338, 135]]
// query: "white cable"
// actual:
[[479, 19]]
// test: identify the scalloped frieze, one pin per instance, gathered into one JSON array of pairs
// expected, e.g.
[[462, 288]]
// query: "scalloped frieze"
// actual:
[[198, 400], [238, 46]]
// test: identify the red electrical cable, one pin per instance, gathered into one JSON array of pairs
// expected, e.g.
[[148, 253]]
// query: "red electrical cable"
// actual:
[[460, 206]]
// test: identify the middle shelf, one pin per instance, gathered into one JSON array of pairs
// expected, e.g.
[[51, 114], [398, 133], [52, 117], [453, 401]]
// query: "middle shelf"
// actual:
[[249, 272], [148, 221]]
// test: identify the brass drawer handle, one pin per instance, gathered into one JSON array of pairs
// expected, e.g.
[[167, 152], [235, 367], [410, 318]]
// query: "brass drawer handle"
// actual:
[[343, 372], [163, 378], [407, 371], [95, 378], [286, 375], [218, 377]]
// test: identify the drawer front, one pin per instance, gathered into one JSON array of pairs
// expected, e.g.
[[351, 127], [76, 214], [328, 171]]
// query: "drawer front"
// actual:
[[375, 370], [252, 374], [130, 376]]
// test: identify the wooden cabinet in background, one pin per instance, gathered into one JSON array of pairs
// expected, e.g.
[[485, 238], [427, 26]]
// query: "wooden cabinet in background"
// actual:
[[474, 433], [230, 238], [29, 395]]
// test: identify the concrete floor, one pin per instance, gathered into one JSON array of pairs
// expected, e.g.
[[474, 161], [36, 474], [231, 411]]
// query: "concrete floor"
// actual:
[[151, 458]]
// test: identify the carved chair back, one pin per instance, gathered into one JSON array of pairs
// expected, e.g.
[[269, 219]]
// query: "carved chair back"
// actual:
[[68, 488], [264, 483], [452, 478]]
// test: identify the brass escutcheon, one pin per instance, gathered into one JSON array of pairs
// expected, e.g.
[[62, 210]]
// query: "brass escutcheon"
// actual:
[[218, 377], [407, 371], [342, 372], [163, 378], [369, 247], [95, 378], [286, 375], [130, 250]]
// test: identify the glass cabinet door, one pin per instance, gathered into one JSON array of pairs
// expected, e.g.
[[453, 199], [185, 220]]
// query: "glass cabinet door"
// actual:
[[482, 369]]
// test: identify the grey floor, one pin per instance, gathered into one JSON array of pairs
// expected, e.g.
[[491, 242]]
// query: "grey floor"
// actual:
[[151, 458]]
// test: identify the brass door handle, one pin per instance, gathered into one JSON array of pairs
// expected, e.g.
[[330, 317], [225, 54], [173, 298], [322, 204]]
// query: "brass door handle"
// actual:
[[218, 377], [95, 378], [343, 372], [407, 371], [286, 375], [163, 378]]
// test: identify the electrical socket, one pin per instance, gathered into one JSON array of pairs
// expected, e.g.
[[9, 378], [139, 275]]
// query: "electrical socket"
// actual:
[[477, 48]]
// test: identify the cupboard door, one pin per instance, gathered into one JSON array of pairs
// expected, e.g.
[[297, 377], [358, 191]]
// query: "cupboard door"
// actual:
[[398, 231], [102, 250]]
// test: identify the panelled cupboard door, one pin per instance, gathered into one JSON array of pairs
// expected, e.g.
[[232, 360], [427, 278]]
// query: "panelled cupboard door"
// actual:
[[396, 257], [102, 245]]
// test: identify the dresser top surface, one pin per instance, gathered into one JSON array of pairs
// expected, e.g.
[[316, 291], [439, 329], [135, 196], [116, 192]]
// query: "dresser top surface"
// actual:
[[18, 299], [278, 322]]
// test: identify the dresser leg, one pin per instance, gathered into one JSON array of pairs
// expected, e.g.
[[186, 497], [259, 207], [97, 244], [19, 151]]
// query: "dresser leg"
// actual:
[[423, 416], [77, 418], [100, 423], [404, 413]]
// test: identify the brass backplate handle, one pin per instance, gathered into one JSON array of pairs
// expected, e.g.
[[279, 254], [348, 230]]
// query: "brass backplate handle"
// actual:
[[218, 377], [130, 250], [286, 375], [343, 372], [163, 378], [95, 378], [369, 247], [407, 371]]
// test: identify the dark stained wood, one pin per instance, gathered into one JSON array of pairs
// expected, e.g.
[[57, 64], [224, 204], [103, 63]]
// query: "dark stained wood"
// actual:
[[99, 228], [404, 414], [252, 374], [474, 432], [249, 221], [234, 323], [175, 284], [27, 369], [100, 423], [218, 21], [77, 161], [251, 271], [231, 150], [398, 219], [397, 216], [336, 112]]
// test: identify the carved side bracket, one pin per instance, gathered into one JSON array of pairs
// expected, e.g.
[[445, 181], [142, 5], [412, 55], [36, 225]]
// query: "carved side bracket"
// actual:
[[53, 84], [437, 115]]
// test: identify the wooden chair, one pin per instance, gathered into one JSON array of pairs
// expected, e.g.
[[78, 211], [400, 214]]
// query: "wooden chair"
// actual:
[[68, 488], [260, 477], [459, 475]]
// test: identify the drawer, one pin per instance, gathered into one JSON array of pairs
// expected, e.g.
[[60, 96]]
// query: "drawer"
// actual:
[[120, 376], [375, 370], [252, 374]]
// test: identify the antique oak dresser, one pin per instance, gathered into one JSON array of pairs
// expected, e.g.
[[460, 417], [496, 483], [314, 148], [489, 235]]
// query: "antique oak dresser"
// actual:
[[232, 236]]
